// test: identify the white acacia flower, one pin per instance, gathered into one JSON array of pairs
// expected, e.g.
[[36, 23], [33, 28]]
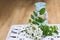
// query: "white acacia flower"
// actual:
[[34, 31]]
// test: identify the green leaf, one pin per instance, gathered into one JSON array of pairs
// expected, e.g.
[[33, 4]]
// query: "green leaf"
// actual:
[[32, 16], [34, 22], [40, 20], [50, 33], [42, 11], [29, 20], [52, 28], [35, 13], [55, 28], [56, 32]]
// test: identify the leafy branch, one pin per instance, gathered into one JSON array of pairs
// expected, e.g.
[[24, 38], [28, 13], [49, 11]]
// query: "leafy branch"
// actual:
[[47, 30]]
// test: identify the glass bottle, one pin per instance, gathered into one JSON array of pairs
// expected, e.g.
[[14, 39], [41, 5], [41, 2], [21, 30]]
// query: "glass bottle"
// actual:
[[38, 7]]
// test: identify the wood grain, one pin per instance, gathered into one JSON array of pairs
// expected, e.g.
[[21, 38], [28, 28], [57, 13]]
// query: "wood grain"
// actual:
[[53, 8], [18, 12]]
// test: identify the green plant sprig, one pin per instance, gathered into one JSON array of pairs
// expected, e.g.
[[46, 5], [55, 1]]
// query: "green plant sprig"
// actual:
[[47, 30]]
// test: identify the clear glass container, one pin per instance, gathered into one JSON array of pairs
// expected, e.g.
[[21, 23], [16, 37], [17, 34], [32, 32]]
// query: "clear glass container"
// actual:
[[38, 7]]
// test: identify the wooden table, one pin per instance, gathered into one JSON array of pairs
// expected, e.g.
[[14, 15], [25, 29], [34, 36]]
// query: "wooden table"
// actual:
[[17, 12]]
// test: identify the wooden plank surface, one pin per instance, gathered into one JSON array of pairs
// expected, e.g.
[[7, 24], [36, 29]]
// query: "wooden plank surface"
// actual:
[[18, 11]]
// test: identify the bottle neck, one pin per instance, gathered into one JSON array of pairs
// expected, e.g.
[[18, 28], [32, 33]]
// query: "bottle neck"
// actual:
[[40, 5]]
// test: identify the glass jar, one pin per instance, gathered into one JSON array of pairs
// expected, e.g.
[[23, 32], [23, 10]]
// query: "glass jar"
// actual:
[[38, 7]]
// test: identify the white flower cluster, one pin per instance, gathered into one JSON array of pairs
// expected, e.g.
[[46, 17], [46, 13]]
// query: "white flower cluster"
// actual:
[[34, 32]]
